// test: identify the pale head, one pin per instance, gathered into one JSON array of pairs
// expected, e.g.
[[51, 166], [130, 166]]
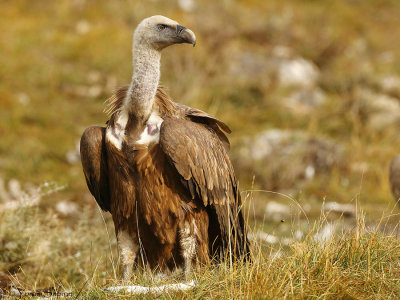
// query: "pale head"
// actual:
[[159, 32]]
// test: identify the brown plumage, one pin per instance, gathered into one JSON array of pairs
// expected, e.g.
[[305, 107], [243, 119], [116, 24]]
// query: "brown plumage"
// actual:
[[166, 178], [152, 191]]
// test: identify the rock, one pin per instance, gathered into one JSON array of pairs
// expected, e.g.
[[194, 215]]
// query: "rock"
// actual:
[[297, 72], [269, 238], [281, 158], [187, 5], [83, 27], [93, 77], [347, 210], [282, 52], [264, 237], [280, 21], [73, 156], [289, 69], [14, 189], [381, 110], [390, 84], [83, 91], [94, 91], [111, 83], [356, 48], [276, 211], [23, 98], [304, 100], [298, 235], [248, 65], [276, 254], [325, 234], [67, 208]]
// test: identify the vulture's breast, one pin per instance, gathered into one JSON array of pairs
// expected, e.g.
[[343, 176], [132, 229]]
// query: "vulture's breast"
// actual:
[[127, 131], [151, 132]]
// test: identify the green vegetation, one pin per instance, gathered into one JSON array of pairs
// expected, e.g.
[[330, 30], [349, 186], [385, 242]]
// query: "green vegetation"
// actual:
[[61, 60]]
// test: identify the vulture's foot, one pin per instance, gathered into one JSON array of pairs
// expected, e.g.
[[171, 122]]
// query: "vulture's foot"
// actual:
[[188, 246], [128, 250]]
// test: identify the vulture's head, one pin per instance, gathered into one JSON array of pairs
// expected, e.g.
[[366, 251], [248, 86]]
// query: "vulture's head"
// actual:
[[160, 32]]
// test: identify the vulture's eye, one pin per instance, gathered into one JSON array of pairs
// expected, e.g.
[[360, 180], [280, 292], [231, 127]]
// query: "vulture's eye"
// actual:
[[161, 27]]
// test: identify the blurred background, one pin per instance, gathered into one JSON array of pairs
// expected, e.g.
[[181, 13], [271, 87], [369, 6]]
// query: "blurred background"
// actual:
[[310, 89]]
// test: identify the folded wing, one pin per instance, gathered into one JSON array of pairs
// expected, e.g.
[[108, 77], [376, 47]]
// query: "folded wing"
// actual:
[[94, 163], [200, 158]]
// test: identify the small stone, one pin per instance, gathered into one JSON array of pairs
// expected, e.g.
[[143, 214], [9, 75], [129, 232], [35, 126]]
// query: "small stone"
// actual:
[[347, 210], [82, 27], [297, 72], [264, 237], [23, 98], [67, 208], [298, 234], [187, 5], [276, 211], [390, 84], [304, 100], [73, 156], [282, 159], [93, 77], [94, 91], [325, 234], [14, 189]]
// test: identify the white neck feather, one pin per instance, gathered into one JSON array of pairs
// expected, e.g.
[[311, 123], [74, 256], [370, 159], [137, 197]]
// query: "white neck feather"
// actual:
[[145, 79]]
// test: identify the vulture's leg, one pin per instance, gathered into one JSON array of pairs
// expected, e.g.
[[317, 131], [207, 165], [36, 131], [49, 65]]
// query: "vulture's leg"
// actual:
[[188, 245], [128, 250]]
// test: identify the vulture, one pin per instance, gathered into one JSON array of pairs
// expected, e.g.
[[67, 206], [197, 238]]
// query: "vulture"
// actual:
[[162, 169], [394, 177]]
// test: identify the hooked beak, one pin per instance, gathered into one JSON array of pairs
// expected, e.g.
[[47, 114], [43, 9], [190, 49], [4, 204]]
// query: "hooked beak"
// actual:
[[185, 35]]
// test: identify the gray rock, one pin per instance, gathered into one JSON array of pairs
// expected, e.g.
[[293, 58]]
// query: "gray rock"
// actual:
[[305, 100], [187, 5], [73, 155], [297, 72], [280, 63], [390, 84], [381, 110], [347, 210], [325, 234], [248, 65], [67, 208], [281, 158], [276, 211]]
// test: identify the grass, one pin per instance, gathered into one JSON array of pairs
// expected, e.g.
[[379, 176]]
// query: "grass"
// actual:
[[61, 60], [44, 251]]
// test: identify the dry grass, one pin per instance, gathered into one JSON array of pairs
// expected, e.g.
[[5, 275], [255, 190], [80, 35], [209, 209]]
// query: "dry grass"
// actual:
[[43, 251], [61, 60]]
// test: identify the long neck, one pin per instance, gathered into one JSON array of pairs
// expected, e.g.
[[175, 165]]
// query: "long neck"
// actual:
[[145, 79]]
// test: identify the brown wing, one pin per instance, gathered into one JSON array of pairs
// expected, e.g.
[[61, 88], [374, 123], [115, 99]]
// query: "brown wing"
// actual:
[[205, 170], [394, 177], [197, 113], [94, 163], [199, 116]]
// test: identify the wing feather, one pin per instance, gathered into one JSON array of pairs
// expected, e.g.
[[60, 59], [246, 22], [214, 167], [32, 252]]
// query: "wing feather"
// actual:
[[94, 163], [202, 162]]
